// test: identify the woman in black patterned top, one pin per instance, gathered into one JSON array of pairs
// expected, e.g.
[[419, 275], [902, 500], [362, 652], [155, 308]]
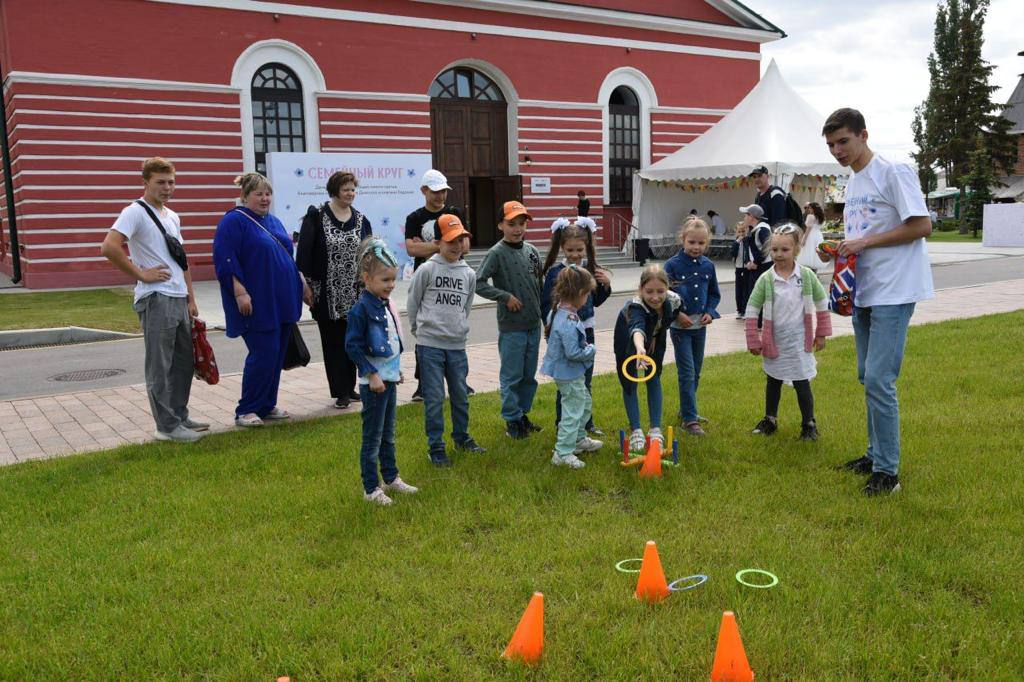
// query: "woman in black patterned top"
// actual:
[[328, 246]]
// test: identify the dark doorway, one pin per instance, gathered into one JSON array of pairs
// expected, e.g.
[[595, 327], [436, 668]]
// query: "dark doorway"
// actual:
[[278, 123], [469, 140]]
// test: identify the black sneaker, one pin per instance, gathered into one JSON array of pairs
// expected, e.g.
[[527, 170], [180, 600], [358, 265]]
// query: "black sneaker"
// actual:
[[809, 431], [354, 397], [861, 465], [470, 391], [766, 427], [341, 403], [439, 458], [882, 483], [515, 430], [417, 396], [470, 445], [529, 425]]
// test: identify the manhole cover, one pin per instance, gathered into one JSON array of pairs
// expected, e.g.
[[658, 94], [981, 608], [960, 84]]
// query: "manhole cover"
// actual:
[[87, 375]]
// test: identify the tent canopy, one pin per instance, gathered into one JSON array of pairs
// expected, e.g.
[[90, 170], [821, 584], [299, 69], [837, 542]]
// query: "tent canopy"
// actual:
[[772, 126]]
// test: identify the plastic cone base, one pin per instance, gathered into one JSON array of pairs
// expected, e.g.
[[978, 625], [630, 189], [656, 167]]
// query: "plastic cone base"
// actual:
[[730, 659], [527, 642], [651, 585]]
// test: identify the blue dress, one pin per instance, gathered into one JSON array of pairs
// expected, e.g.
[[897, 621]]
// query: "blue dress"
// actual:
[[263, 263]]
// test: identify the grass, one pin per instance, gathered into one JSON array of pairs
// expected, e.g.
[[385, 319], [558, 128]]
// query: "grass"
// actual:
[[98, 308], [953, 236], [251, 555]]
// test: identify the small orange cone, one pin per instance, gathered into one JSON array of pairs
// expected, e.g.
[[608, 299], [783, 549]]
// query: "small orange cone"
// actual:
[[528, 640], [651, 586], [652, 461], [730, 659]]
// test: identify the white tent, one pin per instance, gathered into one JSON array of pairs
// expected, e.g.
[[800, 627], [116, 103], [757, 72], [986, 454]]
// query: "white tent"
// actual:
[[773, 126]]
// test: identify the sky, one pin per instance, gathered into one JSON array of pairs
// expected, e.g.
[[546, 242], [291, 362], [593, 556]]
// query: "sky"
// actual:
[[872, 55]]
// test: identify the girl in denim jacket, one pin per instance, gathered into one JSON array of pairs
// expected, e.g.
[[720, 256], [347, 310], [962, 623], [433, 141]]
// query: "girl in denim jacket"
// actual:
[[374, 343], [568, 357]]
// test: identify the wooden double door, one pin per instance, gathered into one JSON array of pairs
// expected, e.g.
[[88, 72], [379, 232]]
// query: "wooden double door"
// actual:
[[469, 140]]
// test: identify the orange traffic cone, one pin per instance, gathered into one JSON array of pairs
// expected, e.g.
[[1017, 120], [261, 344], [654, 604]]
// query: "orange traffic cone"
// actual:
[[284, 678], [528, 640], [652, 461], [651, 586], [730, 659]]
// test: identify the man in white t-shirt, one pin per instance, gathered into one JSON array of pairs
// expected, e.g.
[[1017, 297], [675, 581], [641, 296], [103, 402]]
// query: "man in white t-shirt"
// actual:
[[163, 299], [886, 225]]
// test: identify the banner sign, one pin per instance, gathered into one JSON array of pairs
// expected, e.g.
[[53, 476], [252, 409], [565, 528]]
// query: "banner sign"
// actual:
[[388, 191]]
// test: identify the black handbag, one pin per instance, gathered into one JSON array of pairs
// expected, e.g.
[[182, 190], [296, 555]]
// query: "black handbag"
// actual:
[[297, 354], [175, 248]]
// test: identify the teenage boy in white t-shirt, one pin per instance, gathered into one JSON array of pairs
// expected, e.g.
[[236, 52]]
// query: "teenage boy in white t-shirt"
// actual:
[[164, 300], [886, 225]]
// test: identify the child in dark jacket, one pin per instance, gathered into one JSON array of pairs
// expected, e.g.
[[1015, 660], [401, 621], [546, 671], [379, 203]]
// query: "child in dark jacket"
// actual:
[[374, 342], [575, 242]]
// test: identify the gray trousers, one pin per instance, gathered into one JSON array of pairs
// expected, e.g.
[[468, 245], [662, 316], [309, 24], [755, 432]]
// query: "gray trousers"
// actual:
[[167, 332]]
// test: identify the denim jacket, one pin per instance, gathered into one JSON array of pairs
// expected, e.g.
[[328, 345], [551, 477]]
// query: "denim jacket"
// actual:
[[367, 335], [586, 313], [696, 283], [568, 355]]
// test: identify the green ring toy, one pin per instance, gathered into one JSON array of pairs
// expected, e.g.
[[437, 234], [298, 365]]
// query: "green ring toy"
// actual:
[[745, 571], [620, 569]]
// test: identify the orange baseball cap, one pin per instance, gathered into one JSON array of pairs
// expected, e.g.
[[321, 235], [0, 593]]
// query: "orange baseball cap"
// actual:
[[451, 228], [514, 209]]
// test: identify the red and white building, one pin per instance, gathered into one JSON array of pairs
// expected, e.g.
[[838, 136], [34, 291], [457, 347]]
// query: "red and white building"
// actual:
[[499, 91]]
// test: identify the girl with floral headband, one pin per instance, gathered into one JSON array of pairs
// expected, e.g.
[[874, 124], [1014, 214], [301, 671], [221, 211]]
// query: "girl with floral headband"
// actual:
[[575, 241], [374, 343]]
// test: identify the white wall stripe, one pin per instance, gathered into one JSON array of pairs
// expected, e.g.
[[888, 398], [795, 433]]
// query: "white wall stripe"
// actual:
[[560, 164], [133, 173], [385, 150], [155, 117], [689, 110], [658, 133], [333, 136], [115, 100], [89, 245], [546, 141], [336, 110], [590, 131], [550, 104], [152, 131], [90, 259], [595, 119], [161, 145], [134, 159], [668, 144], [564, 175], [367, 94], [104, 230], [504, 31], [228, 201], [137, 187], [51, 216], [112, 82], [564, 152], [702, 124], [369, 124]]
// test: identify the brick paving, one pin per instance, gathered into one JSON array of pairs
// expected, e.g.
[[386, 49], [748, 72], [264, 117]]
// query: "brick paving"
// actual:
[[84, 421]]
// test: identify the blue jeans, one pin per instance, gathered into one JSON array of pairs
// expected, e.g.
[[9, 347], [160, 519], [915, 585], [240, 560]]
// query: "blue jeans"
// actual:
[[378, 436], [689, 349], [631, 398], [438, 365], [518, 378], [588, 379], [576, 405], [881, 335]]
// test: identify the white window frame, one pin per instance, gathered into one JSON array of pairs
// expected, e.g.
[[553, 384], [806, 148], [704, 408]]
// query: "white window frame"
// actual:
[[639, 83]]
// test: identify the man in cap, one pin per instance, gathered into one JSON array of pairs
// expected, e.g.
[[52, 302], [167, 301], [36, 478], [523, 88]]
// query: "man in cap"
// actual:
[[771, 198]]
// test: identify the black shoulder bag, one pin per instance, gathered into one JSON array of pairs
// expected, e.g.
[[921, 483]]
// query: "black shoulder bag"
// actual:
[[175, 248]]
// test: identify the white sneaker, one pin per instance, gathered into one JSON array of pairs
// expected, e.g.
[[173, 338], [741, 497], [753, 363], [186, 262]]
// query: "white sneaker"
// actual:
[[179, 435], [248, 420], [400, 486], [588, 444], [637, 442], [656, 435], [277, 413], [378, 497], [571, 461]]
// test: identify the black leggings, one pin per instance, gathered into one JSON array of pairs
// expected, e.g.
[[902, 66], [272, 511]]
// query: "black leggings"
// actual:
[[804, 397]]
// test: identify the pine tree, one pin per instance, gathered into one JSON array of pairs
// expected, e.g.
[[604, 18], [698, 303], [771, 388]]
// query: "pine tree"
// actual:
[[959, 106], [980, 179]]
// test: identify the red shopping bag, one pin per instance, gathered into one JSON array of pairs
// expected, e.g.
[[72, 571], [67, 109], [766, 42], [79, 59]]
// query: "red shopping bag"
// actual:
[[202, 354]]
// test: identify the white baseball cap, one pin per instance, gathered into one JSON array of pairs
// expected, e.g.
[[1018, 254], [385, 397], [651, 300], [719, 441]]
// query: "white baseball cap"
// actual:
[[435, 180]]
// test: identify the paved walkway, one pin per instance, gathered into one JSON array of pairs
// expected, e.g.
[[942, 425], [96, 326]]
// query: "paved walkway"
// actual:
[[92, 420]]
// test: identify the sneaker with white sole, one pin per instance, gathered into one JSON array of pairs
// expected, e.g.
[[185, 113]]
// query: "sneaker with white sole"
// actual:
[[378, 496], [637, 441], [195, 426], [656, 435], [276, 414], [571, 461], [179, 435], [400, 486], [248, 420], [587, 444]]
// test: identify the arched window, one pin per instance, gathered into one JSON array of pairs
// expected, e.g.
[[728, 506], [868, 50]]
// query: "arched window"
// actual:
[[463, 83], [623, 144], [278, 123]]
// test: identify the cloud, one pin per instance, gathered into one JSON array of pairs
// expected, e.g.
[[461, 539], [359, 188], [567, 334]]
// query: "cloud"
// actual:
[[873, 56]]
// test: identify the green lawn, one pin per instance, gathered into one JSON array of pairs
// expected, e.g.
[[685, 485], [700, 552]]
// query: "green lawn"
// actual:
[[953, 236], [251, 555], [97, 308]]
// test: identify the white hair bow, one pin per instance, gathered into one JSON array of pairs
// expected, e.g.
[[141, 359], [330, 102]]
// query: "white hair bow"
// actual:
[[584, 222]]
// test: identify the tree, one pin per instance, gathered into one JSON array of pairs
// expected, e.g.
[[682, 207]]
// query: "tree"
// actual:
[[980, 179], [925, 162], [959, 106]]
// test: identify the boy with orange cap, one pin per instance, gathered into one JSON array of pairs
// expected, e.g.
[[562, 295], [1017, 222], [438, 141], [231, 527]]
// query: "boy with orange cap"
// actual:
[[511, 274]]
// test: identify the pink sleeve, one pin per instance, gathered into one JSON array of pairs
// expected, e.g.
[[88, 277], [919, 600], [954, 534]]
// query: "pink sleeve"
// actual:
[[824, 323], [753, 337]]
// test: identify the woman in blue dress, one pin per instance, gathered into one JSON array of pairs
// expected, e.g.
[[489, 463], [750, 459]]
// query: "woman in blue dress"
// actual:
[[262, 292]]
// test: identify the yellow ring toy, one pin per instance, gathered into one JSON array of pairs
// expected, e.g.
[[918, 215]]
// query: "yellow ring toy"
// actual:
[[646, 377]]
